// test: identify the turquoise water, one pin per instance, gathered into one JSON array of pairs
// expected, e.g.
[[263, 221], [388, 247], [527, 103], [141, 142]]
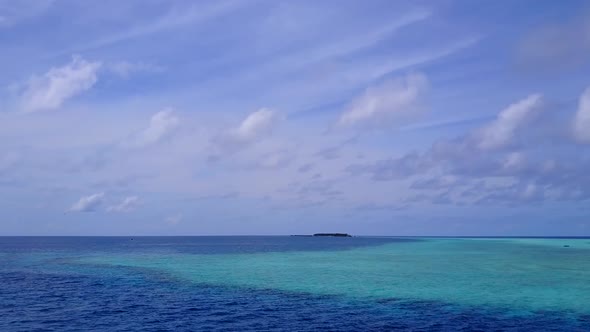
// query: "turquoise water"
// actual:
[[520, 274], [285, 283]]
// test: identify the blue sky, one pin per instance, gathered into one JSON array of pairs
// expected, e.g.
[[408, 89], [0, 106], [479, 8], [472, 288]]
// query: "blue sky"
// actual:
[[280, 117]]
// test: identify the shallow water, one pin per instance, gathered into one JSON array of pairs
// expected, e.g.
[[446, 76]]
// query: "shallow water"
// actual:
[[292, 283]]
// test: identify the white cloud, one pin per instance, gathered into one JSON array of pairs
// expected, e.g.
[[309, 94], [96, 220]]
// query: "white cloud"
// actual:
[[161, 125], [491, 176], [255, 125], [59, 84], [128, 204], [582, 119], [394, 101], [88, 203], [500, 132]]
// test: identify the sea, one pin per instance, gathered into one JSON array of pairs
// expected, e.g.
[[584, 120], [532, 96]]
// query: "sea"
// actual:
[[283, 283]]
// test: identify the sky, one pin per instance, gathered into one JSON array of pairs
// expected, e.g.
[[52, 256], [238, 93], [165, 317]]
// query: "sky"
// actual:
[[447, 117]]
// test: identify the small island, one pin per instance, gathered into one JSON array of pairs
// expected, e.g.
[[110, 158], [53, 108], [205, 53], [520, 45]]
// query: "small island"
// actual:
[[333, 234], [325, 234]]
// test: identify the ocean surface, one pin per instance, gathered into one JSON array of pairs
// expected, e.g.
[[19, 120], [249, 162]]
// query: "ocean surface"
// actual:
[[294, 284]]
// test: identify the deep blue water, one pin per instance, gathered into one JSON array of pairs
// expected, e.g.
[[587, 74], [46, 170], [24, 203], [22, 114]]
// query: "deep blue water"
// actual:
[[189, 244], [43, 289]]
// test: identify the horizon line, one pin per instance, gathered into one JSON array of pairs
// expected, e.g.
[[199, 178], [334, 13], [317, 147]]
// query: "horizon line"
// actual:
[[310, 235]]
